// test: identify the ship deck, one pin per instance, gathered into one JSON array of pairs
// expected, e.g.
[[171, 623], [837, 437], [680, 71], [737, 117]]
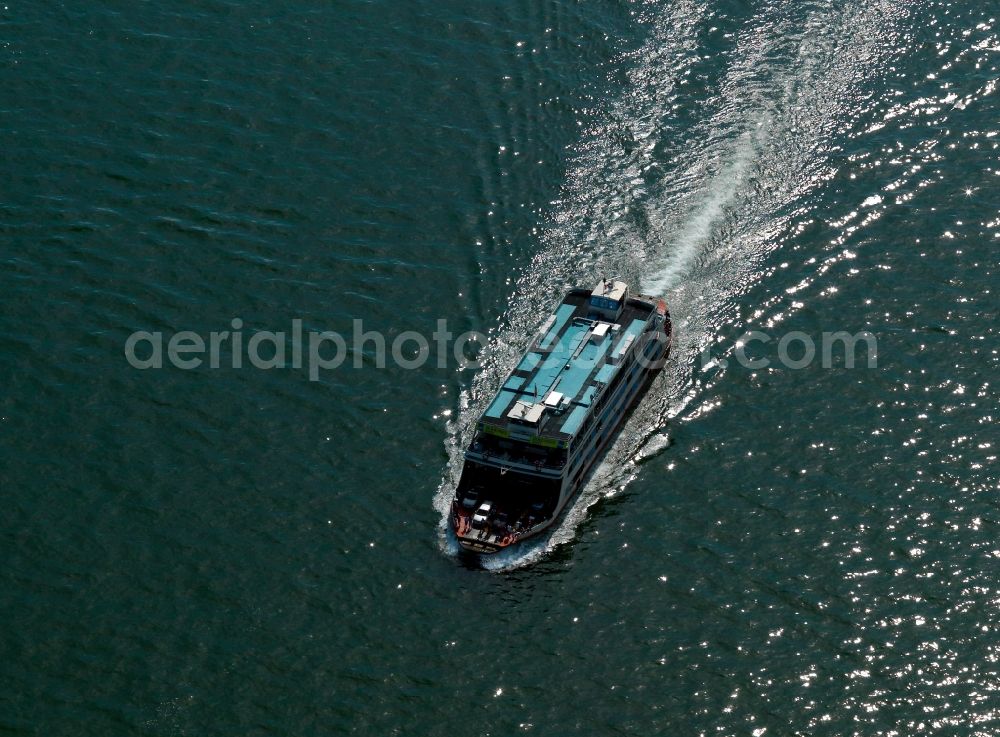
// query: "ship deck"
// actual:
[[563, 358]]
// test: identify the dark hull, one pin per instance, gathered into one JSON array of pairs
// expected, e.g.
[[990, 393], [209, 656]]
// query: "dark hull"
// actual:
[[468, 538]]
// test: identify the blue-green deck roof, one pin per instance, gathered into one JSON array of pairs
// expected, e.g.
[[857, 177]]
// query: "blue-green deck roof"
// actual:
[[569, 360]]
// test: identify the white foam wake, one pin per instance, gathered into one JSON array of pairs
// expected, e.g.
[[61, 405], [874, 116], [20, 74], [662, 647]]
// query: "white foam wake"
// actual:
[[695, 233], [695, 222]]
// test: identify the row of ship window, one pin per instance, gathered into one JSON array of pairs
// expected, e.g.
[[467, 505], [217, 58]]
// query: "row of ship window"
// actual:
[[616, 384], [611, 391]]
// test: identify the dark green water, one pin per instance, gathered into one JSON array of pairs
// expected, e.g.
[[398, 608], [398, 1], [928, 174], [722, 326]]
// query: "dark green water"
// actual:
[[247, 552]]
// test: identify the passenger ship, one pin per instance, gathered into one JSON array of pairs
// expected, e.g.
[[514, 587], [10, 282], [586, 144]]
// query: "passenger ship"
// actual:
[[556, 412]]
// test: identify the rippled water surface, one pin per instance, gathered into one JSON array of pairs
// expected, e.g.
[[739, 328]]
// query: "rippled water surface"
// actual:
[[240, 551]]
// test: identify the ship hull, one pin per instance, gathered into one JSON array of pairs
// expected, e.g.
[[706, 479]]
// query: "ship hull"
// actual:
[[483, 542]]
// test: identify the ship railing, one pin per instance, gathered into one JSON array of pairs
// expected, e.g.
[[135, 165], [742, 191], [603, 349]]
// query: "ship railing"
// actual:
[[523, 462]]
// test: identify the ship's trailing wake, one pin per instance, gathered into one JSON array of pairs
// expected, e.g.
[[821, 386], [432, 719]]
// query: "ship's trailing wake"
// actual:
[[697, 201], [695, 234]]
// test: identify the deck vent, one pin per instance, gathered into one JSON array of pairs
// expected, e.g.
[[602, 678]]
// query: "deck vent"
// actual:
[[622, 349], [600, 331], [527, 412], [546, 326]]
